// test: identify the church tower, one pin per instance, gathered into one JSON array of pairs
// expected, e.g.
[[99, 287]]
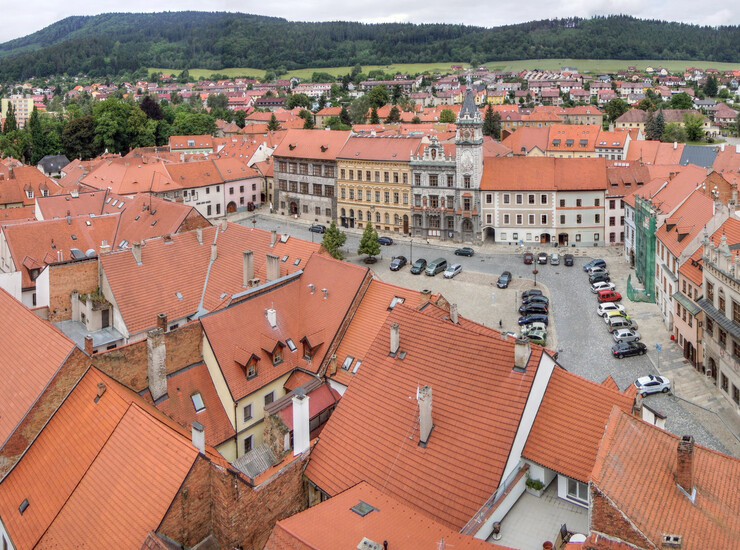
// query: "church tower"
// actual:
[[469, 168]]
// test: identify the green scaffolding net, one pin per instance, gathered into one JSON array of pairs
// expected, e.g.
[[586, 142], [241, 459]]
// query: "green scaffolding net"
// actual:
[[637, 294], [644, 252]]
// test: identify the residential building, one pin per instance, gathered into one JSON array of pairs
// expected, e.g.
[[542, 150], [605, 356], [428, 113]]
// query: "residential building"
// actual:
[[624, 178], [374, 182], [190, 145], [613, 145], [636, 118], [22, 108], [305, 169], [572, 141]]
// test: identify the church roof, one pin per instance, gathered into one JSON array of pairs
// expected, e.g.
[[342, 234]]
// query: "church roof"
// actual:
[[469, 110]]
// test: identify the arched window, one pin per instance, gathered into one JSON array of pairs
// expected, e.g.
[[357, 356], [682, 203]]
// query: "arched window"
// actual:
[[377, 217], [351, 213], [344, 213], [387, 218], [369, 216], [396, 219], [359, 215]]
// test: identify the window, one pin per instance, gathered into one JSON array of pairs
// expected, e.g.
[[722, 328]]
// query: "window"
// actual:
[[519, 219], [578, 218], [489, 198], [316, 189], [208, 190], [432, 180], [450, 180], [269, 398], [577, 490], [277, 356], [328, 213], [466, 182], [368, 195], [395, 177], [530, 199], [387, 196], [341, 173], [197, 402], [359, 175], [208, 210], [722, 338], [304, 169], [377, 196], [291, 345], [612, 204], [351, 174], [735, 311], [247, 412], [417, 179], [395, 198], [317, 210], [507, 219], [377, 176], [348, 361], [710, 292], [724, 383], [386, 177], [562, 203], [578, 237], [543, 220], [231, 190], [578, 202], [367, 175], [597, 202], [489, 218], [597, 218], [304, 188], [531, 219], [351, 194], [247, 444], [519, 199], [596, 237], [343, 193], [507, 198], [562, 219], [722, 301], [317, 170], [709, 327], [736, 394], [405, 198]]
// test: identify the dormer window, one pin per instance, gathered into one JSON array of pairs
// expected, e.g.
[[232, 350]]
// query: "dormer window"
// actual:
[[29, 193], [251, 369], [277, 355], [191, 143]]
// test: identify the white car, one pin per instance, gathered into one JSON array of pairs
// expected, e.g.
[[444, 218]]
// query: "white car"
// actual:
[[453, 270], [532, 327], [602, 286], [626, 335], [652, 384], [608, 306], [597, 269]]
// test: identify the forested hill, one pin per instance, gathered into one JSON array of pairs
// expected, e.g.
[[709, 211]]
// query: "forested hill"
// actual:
[[113, 43]]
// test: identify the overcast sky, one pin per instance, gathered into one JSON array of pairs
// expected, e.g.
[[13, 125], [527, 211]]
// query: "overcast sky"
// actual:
[[20, 19]]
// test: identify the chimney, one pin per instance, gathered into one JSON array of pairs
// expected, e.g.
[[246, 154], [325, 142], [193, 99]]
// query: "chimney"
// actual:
[[88, 345], [101, 389], [199, 437], [214, 252], [272, 269], [155, 363], [311, 288], [162, 321], [271, 317], [522, 351], [395, 339], [11, 173], [424, 398], [104, 247], [426, 295], [671, 541], [333, 364], [685, 464], [248, 267], [273, 237], [675, 145], [199, 233], [136, 251], [301, 428], [637, 406], [453, 313], [224, 225]]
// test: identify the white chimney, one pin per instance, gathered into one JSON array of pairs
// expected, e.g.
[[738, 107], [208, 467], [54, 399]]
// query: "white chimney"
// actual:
[[199, 437], [273, 237], [156, 370], [301, 427], [424, 398], [214, 252], [675, 145], [199, 233], [395, 338], [248, 267], [136, 251], [522, 351], [224, 225], [272, 269], [271, 317], [453, 313]]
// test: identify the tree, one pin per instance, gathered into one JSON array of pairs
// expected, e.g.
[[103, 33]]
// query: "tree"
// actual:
[[184, 77], [416, 120], [273, 125], [394, 115], [616, 108], [358, 110], [374, 119], [710, 86], [298, 100], [193, 124], [217, 101], [659, 125], [694, 126], [308, 120], [335, 123], [239, 117], [673, 132], [334, 239], [369, 242], [447, 116], [737, 125], [492, 123], [151, 108], [78, 138], [344, 116], [378, 96], [650, 127], [322, 101], [682, 100], [646, 105], [38, 139], [10, 123]]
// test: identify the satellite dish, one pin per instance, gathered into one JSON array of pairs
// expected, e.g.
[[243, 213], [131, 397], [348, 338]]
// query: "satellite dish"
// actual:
[[76, 254], [90, 253]]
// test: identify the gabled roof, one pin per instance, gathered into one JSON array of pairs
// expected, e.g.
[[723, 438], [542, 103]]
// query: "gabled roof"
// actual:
[[635, 469], [199, 142], [728, 159], [666, 193], [388, 519], [655, 152], [572, 138], [127, 178], [385, 148], [179, 264], [194, 174], [16, 183], [478, 401], [53, 163], [730, 229], [543, 173], [625, 177], [686, 222], [25, 341], [312, 144], [699, 155], [301, 311], [566, 433], [525, 139]]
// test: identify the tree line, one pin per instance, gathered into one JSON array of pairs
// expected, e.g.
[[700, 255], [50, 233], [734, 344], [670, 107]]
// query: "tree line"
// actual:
[[111, 44]]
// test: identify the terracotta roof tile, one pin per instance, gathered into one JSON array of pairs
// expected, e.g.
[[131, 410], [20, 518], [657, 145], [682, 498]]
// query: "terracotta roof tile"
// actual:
[[387, 148], [199, 142], [321, 399], [631, 448], [525, 139], [566, 433], [655, 152], [127, 178], [687, 221], [478, 402], [561, 174], [572, 138], [692, 268], [312, 144]]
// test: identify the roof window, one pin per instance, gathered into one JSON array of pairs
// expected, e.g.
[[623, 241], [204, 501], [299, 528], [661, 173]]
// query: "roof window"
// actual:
[[347, 362], [198, 402], [291, 345], [285, 258], [297, 261], [363, 508], [357, 366], [396, 300]]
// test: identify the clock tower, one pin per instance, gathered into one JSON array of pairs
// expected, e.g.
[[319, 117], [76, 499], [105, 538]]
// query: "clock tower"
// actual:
[[469, 169]]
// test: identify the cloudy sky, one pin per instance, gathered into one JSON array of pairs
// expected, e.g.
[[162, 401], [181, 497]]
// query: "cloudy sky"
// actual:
[[20, 19]]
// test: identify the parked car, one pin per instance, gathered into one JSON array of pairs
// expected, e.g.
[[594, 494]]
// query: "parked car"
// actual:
[[419, 266], [626, 335], [453, 270], [568, 260], [435, 266], [594, 263], [596, 270], [504, 280], [542, 258], [609, 296], [398, 262], [536, 299], [533, 318], [317, 228], [555, 259], [608, 306], [616, 315], [385, 241], [533, 326], [531, 292], [533, 308], [598, 278], [602, 285], [528, 257], [627, 349], [652, 384], [615, 323], [464, 251], [538, 337]]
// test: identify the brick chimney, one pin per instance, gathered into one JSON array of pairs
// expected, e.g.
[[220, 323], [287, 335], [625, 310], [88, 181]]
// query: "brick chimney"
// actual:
[[522, 351], [104, 247], [301, 418], [333, 364], [199, 234], [248, 267], [685, 464], [155, 363], [199, 437], [214, 252], [395, 338], [162, 321], [424, 399], [426, 295], [101, 389], [272, 267], [136, 251], [88, 345], [453, 313]]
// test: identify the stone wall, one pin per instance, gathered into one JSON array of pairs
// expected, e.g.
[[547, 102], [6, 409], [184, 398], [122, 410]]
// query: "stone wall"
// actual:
[[81, 276], [610, 521]]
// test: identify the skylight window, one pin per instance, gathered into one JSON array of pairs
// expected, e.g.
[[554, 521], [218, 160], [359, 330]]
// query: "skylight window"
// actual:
[[285, 258], [291, 345], [347, 362], [396, 300], [363, 508], [297, 261], [357, 366], [198, 402]]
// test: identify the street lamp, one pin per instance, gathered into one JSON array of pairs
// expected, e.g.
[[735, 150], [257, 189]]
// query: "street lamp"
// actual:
[[534, 272], [411, 254], [254, 222]]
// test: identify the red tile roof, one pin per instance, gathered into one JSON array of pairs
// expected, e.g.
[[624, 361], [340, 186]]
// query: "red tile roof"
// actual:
[[655, 152], [566, 433], [17, 215], [686, 222], [23, 179], [321, 399], [385, 148], [312, 144], [561, 174], [478, 402], [301, 313], [572, 138], [180, 264], [625, 177], [525, 139], [127, 178], [25, 341], [727, 159], [654, 504], [692, 268], [200, 142], [390, 519]]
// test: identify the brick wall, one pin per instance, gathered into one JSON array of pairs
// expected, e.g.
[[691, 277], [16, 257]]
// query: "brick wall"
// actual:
[[192, 221], [274, 434], [128, 364], [219, 501], [606, 518], [48, 402], [63, 279]]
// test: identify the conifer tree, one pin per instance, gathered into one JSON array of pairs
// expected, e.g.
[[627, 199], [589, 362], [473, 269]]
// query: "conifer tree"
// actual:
[[334, 240], [369, 243], [273, 125]]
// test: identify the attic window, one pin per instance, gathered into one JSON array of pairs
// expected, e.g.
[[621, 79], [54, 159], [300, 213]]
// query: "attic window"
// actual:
[[357, 366], [583, 142], [74, 237], [396, 300], [23, 506], [114, 202], [555, 142], [569, 143], [154, 222], [137, 218], [291, 345], [285, 258], [347, 362], [88, 223], [297, 261], [197, 402], [109, 199], [191, 143], [120, 204], [179, 295], [362, 508]]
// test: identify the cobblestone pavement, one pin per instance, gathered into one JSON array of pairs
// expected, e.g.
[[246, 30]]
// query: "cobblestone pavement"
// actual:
[[695, 406]]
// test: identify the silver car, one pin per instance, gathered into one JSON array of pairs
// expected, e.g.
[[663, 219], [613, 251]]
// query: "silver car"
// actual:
[[453, 270], [602, 285], [555, 259], [652, 384], [626, 335], [532, 327]]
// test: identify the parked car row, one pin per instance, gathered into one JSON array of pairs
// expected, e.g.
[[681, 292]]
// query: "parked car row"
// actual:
[[431, 269], [543, 258], [534, 320]]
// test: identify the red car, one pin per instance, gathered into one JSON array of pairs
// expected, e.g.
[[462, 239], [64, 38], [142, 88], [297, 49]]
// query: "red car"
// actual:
[[608, 296], [528, 257]]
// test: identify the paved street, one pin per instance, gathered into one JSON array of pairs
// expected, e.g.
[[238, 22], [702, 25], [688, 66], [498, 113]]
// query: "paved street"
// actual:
[[579, 335]]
